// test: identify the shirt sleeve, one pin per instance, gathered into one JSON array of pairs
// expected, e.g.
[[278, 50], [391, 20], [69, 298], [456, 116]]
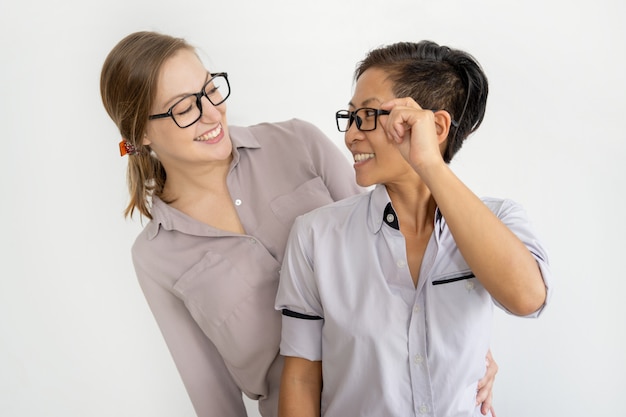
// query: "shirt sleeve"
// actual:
[[516, 219], [298, 299], [209, 385]]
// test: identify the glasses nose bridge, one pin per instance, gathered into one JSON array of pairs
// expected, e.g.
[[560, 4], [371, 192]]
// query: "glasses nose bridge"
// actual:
[[354, 119], [353, 131], [212, 109], [199, 100]]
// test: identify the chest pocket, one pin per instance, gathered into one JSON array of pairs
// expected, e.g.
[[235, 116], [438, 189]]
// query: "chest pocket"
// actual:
[[454, 278], [234, 305], [463, 298], [217, 285], [308, 196]]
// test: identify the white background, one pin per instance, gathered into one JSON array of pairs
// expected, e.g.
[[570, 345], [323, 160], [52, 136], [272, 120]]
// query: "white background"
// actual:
[[76, 336]]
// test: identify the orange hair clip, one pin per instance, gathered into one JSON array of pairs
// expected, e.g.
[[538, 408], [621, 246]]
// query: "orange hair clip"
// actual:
[[127, 148]]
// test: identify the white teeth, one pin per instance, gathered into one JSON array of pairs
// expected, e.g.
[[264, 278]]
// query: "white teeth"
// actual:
[[359, 157], [210, 135]]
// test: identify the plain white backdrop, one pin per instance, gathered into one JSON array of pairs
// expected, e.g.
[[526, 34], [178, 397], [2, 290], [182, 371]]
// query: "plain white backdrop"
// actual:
[[76, 336]]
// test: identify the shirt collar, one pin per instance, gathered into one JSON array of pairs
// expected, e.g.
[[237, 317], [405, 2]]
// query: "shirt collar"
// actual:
[[379, 208], [166, 217], [381, 212], [241, 138]]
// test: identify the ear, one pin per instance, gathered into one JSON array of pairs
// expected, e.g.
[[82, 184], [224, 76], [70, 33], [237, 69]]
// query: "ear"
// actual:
[[442, 124], [145, 140]]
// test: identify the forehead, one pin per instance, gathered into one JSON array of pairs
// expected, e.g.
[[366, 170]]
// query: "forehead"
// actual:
[[182, 73], [372, 89]]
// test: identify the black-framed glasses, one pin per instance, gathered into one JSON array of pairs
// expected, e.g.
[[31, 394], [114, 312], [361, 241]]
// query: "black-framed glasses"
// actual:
[[188, 110], [366, 118]]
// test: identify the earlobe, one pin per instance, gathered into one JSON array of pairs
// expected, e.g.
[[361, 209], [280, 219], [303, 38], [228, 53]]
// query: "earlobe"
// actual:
[[145, 140]]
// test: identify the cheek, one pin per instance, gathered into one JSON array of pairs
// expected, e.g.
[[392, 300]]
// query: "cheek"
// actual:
[[222, 108], [346, 141], [166, 136]]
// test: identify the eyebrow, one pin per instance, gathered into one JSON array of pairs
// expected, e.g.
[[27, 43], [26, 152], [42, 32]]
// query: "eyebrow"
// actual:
[[173, 100], [367, 102]]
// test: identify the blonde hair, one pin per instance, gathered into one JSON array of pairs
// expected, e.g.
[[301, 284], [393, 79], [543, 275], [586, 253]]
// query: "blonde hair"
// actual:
[[128, 88]]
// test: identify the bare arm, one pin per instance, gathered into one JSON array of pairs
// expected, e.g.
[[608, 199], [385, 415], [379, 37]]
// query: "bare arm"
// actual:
[[498, 258], [300, 388]]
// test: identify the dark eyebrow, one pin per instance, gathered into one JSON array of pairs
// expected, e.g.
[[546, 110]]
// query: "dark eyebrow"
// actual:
[[366, 102]]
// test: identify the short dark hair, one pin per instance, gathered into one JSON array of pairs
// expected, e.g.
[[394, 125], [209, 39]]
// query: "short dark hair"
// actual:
[[438, 78]]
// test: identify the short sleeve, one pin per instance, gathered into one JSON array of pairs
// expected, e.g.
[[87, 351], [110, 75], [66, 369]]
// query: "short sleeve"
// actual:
[[516, 219], [298, 298]]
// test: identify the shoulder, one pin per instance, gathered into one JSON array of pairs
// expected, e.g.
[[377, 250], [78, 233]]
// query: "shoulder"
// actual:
[[335, 214], [511, 213], [293, 132], [291, 128], [494, 203], [502, 206], [154, 242], [145, 247]]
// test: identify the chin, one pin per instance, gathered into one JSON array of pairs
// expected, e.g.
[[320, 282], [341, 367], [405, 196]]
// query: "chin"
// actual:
[[364, 183]]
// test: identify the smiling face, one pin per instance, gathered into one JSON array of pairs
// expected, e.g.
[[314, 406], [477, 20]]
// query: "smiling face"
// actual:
[[207, 140], [377, 160]]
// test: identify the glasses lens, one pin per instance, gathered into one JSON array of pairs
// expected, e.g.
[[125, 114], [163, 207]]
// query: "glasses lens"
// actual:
[[366, 119], [343, 120], [217, 90], [186, 111]]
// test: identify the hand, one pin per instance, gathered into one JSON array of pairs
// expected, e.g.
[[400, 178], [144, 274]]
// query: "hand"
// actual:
[[485, 387], [416, 132]]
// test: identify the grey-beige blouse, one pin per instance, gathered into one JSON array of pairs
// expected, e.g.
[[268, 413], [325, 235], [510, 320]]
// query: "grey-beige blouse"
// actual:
[[212, 292]]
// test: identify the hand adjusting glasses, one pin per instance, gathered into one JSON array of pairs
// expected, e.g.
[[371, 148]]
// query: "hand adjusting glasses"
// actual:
[[188, 110], [366, 118]]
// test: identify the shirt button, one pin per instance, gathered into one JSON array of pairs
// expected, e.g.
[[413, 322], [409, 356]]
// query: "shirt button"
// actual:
[[237, 202], [423, 409], [390, 218], [252, 241], [401, 263], [469, 285], [416, 309], [418, 359]]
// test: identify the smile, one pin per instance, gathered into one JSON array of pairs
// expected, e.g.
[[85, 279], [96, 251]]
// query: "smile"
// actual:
[[360, 157], [210, 135]]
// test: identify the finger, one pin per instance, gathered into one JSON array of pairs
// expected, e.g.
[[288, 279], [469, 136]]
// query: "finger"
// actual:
[[406, 102], [485, 384], [484, 391], [487, 405], [397, 126]]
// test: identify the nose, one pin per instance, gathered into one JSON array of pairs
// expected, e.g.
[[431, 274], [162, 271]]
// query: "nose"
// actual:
[[209, 111], [352, 135]]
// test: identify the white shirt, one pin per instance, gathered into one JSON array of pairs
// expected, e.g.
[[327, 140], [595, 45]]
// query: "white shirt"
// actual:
[[388, 348]]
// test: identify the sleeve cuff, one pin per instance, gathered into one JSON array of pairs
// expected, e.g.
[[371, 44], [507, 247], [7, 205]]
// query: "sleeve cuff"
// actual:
[[302, 338]]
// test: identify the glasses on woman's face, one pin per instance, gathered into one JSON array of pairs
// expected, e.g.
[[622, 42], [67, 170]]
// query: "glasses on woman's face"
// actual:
[[188, 109], [366, 118]]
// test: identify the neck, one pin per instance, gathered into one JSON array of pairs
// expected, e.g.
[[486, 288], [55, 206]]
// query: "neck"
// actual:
[[192, 182], [414, 206]]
